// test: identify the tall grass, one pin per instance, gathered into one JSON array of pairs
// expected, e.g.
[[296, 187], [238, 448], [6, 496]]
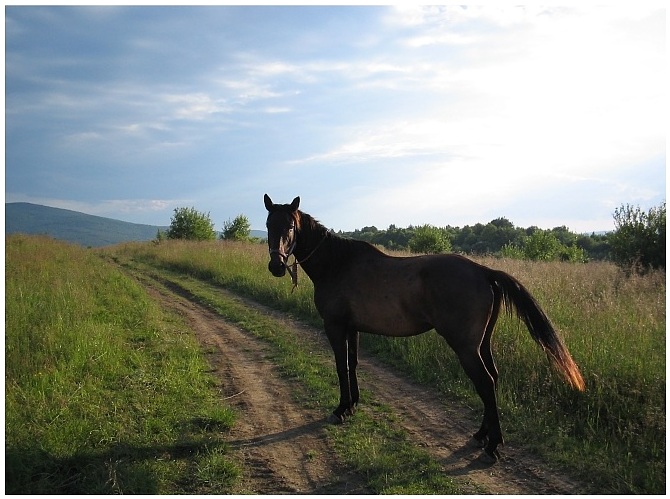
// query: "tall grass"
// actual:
[[612, 435], [615, 329], [240, 267], [103, 392]]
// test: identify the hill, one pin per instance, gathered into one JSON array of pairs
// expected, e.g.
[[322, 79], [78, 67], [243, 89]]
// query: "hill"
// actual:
[[260, 234], [73, 226]]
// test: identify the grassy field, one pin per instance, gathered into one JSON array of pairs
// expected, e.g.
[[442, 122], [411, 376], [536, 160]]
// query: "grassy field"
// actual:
[[95, 372], [383, 452], [107, 394], [104, 392], [613, 435]]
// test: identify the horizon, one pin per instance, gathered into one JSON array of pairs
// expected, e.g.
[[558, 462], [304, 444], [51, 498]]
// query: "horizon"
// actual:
[[547, 116], [330, 228]]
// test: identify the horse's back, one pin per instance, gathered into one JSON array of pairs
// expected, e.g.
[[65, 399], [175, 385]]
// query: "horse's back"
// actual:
[[404, 296], [457, 291]]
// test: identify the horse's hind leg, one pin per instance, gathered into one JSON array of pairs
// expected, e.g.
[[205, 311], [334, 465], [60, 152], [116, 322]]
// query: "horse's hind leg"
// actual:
[[485, 347], [487, 357], [474, 367], [481, 436]]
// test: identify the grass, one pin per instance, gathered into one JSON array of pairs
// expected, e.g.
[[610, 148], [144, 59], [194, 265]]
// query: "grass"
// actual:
[[239, 267], [376, 445], [612, 436], [615, 327], [104, 393], [382, 452]]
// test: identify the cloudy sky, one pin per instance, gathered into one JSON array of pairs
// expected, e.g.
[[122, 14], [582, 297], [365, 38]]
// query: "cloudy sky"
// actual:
[[373, 115]]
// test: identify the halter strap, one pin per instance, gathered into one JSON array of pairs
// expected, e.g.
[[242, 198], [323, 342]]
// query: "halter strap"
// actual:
[[293, 268], [285, 255]]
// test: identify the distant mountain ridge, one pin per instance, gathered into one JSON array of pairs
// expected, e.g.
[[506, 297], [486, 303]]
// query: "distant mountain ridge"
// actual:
[[80, 228], [73, 226]]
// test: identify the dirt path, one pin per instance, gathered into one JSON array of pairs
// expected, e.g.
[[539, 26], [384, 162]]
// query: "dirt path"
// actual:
[[283, 446]]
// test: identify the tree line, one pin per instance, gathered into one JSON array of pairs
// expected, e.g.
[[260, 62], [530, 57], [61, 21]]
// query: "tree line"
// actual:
[[638, 241], [498, 237]]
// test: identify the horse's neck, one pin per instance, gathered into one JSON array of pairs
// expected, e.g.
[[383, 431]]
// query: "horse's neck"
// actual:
[[313, 248]]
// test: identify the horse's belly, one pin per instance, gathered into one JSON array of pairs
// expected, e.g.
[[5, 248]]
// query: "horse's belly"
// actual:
[[389, 302], [396, 329], [389, 320]]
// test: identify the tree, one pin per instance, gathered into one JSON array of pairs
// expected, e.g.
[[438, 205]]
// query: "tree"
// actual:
[[188, 223], [160, 236], [542, 245], [564, 236], [512, 250], [639, 237], [502, 223], [429, 239], [237, 230], [573, 253]]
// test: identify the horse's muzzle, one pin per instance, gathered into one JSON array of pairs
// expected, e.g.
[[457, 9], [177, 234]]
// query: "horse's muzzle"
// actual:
[[277, 267]]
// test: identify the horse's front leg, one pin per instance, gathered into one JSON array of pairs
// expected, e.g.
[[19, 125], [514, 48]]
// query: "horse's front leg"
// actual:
[[337, 336], [352, 344]]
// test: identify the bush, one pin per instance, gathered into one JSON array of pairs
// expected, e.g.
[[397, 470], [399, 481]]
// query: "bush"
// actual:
[[639, 238], [544, 245], [236, 230], [429, 239], [188, 223]]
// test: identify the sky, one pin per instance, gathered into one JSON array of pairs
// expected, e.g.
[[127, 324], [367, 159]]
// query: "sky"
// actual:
[[374, 115]]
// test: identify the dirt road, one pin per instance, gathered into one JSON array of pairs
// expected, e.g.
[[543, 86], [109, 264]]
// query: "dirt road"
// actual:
[[283, 446]]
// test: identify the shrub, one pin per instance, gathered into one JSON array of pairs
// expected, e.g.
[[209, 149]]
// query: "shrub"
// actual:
[[639, 238], [236, 230], [188, 223], [429, 239]]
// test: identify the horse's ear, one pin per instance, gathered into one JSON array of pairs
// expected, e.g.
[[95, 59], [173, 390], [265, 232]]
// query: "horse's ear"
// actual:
[[295, 204], [268, 202]]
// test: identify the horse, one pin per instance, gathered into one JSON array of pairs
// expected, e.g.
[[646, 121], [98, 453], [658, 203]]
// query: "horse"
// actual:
[[358, 288]]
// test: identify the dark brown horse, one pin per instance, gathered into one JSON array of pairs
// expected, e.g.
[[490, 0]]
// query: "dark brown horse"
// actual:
[[359, 288]]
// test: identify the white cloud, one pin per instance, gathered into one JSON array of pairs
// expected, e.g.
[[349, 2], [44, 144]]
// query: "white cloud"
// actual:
[[83, 137], [108, 208], [272, 68], [196, 106], [565, 93], [397, 140], [276, 110], [244, 90]]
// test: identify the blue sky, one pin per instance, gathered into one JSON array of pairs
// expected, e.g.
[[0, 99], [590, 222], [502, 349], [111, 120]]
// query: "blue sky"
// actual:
[[373, 115]]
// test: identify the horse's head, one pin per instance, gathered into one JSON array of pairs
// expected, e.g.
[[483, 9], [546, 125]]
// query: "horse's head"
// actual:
[[282, 224]]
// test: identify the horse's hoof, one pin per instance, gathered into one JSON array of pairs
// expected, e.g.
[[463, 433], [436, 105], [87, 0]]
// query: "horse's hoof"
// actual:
[[335, 419], [489, 458]]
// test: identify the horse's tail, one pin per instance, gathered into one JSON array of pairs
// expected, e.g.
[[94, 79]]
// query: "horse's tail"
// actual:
[[516, 296]]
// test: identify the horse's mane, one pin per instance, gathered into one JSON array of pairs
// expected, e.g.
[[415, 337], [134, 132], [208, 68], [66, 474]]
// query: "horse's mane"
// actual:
[[314, 231]]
